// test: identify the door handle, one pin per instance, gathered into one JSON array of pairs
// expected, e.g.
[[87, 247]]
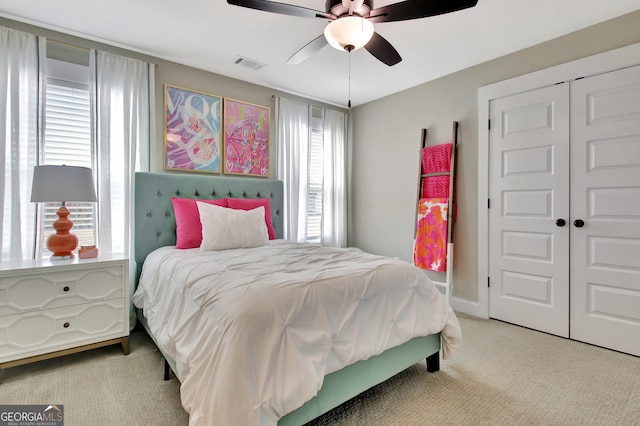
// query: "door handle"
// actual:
[[578, 223], [561, 222]]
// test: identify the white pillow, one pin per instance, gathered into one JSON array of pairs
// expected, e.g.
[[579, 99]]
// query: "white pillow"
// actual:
[[224, 228]]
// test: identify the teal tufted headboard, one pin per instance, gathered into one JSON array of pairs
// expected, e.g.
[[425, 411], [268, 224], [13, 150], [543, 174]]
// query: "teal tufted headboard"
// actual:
[[154, 222]]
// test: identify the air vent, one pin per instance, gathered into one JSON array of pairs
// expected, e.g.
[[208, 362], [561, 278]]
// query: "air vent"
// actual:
[[249, 63]]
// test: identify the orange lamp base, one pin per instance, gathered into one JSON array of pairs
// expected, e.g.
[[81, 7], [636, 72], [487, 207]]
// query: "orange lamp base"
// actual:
[[62, 243]]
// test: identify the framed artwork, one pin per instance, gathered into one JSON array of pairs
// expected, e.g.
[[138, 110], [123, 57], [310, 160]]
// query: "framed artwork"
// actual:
[[193, 130], [246, 138]]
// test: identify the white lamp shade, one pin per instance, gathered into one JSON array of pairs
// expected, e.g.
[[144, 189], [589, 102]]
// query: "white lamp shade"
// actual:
[[62, 183], [348, 31]]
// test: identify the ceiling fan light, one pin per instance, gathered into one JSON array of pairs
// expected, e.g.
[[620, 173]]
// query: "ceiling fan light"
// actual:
[[348, 31]]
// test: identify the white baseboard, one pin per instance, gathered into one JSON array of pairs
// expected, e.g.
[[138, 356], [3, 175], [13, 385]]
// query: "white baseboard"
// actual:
[[468, 307]]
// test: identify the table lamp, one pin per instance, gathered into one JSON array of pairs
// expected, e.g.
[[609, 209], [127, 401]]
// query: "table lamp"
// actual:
[[62, 184]]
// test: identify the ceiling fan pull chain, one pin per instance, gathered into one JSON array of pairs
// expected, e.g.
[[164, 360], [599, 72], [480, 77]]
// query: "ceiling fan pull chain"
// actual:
[[349, 103]]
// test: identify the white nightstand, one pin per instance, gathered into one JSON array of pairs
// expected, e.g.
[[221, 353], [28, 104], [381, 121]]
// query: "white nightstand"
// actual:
[[54, 308]]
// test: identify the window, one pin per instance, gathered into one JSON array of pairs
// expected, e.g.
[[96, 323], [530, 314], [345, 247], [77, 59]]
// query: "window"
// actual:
[[311, 162], [55, 92], [315, 179], [67, 140]]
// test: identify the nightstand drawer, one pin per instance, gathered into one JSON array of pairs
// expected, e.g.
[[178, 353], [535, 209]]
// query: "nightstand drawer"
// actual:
[[50, 330], [23, 291]]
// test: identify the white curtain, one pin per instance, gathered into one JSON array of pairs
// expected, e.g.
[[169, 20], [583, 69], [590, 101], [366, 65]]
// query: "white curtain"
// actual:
[[19, 92], [124, 111], [334, 212], [123, 114], [292, 150]]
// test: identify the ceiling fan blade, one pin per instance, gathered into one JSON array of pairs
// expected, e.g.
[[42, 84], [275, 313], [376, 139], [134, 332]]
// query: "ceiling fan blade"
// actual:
[[415, 9], [309, 49], [379, 47], [281, 8]]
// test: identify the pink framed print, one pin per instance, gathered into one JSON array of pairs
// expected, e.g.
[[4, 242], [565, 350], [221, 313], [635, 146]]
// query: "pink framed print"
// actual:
[[246, 138], [193, 130]]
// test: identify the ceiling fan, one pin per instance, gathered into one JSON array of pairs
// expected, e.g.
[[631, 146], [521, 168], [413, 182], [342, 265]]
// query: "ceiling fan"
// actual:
[[351, 22]]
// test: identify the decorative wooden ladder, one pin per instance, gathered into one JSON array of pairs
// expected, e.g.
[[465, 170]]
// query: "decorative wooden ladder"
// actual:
[[447, 284]]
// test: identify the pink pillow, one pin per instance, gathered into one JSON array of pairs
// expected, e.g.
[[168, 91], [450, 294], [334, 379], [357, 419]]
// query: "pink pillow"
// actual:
[[188, 226], [252, 203]]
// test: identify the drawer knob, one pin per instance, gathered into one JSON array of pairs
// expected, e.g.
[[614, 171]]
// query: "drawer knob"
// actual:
[[66, 288], [66, 325]]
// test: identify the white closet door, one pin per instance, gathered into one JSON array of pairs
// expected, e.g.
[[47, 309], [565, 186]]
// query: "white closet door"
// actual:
[[605, 195], [529, 192]]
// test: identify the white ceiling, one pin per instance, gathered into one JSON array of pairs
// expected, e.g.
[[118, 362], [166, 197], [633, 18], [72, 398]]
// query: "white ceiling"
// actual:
[[211, 34]]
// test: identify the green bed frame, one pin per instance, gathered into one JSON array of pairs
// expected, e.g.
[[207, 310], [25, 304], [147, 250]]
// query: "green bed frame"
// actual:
[[155, 227]]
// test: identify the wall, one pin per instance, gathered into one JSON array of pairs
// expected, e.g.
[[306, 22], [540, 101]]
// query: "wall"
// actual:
[[386, 145], [182, 76], [386, 135]]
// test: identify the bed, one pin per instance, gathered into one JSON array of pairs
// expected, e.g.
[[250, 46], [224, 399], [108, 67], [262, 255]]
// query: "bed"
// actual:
[[301, 396]]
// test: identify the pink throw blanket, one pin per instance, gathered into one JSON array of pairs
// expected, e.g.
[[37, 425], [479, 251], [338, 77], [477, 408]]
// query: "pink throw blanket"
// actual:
[[430, 248]]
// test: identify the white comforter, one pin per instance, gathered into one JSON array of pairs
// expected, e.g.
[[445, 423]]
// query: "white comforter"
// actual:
[[254, 331]]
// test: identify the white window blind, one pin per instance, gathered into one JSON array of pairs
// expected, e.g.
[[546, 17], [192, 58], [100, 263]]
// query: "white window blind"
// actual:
[[315, 192], [316, 180], [67, 140], [67, 124]]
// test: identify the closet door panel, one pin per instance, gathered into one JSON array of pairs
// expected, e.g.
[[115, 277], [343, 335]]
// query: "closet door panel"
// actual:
[[605, 196], [529, 190]]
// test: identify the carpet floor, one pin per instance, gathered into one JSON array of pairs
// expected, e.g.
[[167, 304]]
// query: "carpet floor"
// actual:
[[502, 375]]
